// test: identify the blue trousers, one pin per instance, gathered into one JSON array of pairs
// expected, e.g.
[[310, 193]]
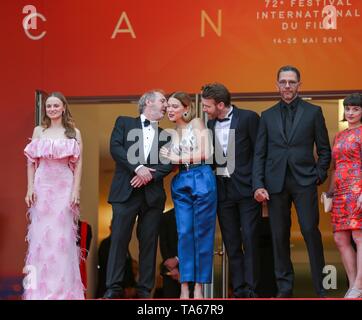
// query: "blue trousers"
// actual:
[[195, 199]]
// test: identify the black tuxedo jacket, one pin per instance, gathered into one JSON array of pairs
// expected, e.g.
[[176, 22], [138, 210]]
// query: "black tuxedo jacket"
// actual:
[[239, 157], [274, 152], [126, 148]]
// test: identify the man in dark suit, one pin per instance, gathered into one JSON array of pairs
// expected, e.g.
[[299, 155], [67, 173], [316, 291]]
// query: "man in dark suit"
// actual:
[[129, 279], [137, 191], [285, 171], [235, 132], [168, 247]]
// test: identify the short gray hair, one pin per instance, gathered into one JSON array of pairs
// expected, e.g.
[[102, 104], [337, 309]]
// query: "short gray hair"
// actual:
[[150, 95]]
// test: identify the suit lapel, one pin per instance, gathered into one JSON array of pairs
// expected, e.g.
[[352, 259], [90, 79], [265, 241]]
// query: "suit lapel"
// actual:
[[235, 117], [141, 146], [212, 125], [298, 116], [278, 121], [139, 123], [218, 148], [233, 125], [153, 155]]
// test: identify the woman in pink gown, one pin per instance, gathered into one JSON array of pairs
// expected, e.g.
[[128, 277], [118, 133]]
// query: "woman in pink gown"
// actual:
[[54, 173]]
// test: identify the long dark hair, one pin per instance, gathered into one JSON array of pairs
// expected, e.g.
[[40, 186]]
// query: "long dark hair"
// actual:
[[67, 119]]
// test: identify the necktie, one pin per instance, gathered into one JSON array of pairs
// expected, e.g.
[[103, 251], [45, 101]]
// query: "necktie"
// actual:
[[288, 121]]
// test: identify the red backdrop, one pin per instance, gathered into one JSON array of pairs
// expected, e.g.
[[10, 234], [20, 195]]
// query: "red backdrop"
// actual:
[[78, 57]]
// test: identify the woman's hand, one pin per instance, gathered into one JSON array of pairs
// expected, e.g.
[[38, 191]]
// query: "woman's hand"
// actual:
[[168, 154], [30, 197], [359, 203], [75, 198]]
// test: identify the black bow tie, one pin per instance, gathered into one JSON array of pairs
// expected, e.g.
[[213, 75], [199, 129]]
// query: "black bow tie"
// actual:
[[226, 118], [147, 122], [222, 120]]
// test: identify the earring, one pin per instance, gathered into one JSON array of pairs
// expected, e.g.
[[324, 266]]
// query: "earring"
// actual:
[[185, 114]]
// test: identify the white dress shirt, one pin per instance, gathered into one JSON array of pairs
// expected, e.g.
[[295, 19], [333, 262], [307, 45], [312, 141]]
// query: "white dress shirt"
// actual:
[[222, 131], [148, 136]]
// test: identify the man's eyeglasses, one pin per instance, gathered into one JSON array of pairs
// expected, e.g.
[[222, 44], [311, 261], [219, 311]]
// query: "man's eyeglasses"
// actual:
[[284, 83]]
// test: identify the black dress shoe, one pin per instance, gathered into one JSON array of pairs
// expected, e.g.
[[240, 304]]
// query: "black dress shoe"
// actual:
[[110, 294], [284, 295], [240, 294], [252, 294], [322, 295], [245, 293], [142, 295]]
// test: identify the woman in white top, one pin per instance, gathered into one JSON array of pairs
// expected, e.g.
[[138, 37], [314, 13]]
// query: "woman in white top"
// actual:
[[193, 192]]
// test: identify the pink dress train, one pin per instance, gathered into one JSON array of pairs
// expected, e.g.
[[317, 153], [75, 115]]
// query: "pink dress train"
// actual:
[[52, 260]]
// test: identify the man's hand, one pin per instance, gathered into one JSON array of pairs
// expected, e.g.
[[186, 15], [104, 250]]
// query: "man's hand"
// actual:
[[170, 155], [145, 174], [174, 274], [137, 182], [171, 263], [261, 195]]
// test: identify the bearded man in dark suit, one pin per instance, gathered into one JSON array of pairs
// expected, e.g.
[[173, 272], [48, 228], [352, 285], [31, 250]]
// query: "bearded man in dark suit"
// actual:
[[234, 131]]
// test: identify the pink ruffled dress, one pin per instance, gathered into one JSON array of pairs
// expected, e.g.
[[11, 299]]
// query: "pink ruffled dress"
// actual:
[[52, 260]]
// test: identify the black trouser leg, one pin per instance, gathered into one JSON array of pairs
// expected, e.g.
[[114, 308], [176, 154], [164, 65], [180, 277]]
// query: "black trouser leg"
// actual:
[[229, 220], [250, 215], [147, 232], [124, 216], [280, 222], [306, 203]]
